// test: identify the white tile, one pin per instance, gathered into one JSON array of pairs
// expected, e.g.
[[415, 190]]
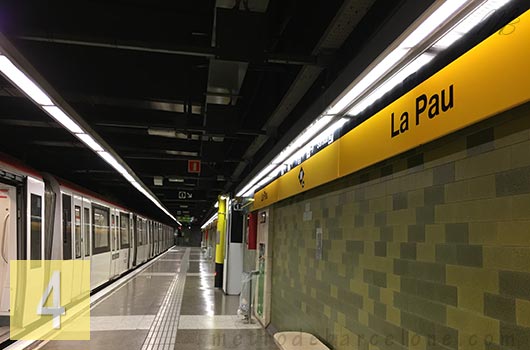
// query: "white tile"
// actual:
[[215, 322], [199, 274], [120, 323]]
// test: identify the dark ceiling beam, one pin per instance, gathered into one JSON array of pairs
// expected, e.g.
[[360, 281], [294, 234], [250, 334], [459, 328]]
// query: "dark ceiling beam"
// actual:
[[172, 158], [122, 127], [136, 103], [29, 123], [207, 52], [148, 143], [128, 45], [64, 144]]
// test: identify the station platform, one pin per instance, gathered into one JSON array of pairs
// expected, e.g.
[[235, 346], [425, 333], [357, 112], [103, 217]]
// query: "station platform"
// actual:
[[169, 303]]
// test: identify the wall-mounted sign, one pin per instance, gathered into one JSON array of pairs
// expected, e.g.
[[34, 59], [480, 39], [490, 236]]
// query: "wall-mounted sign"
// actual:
[[318, 237], [262, 217], [185, 195], [194, 166]]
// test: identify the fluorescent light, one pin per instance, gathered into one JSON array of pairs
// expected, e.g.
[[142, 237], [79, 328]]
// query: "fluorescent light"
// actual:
[[182, 153], [161, 132], [311, 131], [391, 83], [63, 119], [24, 83], [209, 221], [129, 177], [216, 205], [158, 181], [395, 57], [469, 22], [112, 162], [175, 179], [90, 142]]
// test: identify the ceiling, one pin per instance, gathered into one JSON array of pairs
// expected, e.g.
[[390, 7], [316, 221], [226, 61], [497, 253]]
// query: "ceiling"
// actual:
[[167, 82]]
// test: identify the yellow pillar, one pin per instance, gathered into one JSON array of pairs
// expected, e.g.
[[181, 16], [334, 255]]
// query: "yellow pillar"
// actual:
[[220, 243]]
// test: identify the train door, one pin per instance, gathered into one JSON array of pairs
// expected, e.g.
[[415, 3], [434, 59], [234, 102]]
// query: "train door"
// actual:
[[87, 229], [34, 232], [115, 253], [150, 239], [134, 240], [8, 226], [78, 229], [67, 226]]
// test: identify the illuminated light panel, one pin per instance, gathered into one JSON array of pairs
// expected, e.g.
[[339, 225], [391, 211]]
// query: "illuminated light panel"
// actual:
[[391, 83], [90, 142], [63, 119], [113, 162], [23, 82], [209, 221], [481, 14]]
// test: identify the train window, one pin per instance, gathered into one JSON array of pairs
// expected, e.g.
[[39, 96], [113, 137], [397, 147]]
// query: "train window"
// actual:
[[124, 227], [67, 227], [77, 231], [36, 230], [86, 223], [100, 230]]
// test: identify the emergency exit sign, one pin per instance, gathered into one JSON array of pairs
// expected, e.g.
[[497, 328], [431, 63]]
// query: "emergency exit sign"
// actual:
[[194, 166]]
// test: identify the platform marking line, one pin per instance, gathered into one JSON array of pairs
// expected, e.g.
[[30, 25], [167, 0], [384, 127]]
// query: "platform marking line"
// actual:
[[163, 332]]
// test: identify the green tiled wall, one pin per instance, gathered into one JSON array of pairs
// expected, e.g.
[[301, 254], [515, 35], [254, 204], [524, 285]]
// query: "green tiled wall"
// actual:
[[428, 250]]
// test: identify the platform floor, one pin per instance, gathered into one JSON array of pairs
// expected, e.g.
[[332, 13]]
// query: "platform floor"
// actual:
[[170, 304]]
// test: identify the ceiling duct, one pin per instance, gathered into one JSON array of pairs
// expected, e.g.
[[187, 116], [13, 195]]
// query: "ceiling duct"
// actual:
[[224, 81], [171, 133]]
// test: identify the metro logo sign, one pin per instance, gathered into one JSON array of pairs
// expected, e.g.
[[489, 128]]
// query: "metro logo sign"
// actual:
[[194, 166]]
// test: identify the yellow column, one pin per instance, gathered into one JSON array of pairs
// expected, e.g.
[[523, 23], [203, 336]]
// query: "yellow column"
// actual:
[[220, 243]]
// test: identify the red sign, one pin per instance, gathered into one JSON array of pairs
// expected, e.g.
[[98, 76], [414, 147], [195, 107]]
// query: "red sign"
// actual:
[[194, 166]]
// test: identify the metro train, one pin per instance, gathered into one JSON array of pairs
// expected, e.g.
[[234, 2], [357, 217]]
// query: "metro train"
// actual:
[[45, 218]]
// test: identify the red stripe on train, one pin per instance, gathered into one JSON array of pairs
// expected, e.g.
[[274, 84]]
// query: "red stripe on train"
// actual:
[[3, 196]]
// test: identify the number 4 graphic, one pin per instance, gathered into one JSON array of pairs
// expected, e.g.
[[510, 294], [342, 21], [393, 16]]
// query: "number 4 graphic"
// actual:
[[56, 310]]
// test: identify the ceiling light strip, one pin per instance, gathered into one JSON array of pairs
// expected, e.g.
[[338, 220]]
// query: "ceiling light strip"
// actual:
[[35, 93]]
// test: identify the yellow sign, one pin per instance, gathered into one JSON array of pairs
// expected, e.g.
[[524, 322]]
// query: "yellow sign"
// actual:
[[50, 299], [266, 196], [489, 79]]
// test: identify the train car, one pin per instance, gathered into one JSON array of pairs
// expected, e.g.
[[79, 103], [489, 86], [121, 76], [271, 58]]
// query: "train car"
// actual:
[[45, 218]]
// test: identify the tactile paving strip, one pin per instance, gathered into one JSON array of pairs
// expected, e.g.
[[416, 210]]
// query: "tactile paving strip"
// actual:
[[163, 331]]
